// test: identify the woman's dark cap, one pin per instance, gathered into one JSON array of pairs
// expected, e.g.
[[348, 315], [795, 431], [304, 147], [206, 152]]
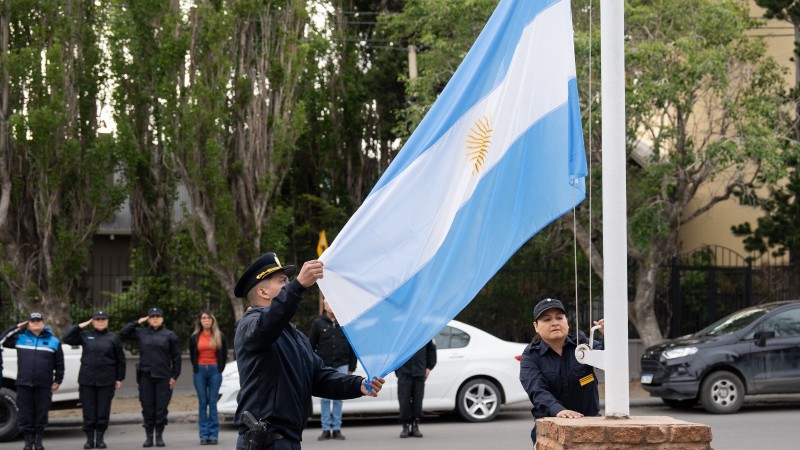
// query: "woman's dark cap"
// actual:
[[544, 305]]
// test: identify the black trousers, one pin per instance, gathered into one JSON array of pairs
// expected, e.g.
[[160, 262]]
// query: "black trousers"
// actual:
[[154, 395], [96, 402], [410, 391], [33, 403]]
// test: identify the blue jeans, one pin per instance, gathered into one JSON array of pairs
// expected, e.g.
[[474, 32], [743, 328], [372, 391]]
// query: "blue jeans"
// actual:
[[334, 423], [207, 380]]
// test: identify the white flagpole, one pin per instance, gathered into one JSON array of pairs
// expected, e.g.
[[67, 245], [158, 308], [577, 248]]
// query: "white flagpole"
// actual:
[[615, 248]]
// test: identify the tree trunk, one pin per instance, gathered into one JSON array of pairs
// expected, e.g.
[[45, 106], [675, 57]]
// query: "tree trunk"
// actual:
[[642, 312], [56, 310]]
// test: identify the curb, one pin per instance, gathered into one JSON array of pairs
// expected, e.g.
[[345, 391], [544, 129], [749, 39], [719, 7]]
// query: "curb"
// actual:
[[127, 419], [191, 416]]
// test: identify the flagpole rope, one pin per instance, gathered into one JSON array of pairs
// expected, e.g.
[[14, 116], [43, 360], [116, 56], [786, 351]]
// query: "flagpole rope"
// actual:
[[589, 175], [589, 185], [575, 262]]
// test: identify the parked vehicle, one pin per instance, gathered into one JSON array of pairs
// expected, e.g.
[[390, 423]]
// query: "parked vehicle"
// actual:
[[475, 374], [752, 351], [67, 392]]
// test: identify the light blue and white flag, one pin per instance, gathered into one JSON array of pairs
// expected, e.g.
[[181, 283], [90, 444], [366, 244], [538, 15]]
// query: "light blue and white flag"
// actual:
[[498, 157]]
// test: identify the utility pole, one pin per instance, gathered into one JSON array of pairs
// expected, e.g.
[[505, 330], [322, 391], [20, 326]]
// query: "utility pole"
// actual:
[[412, 62]]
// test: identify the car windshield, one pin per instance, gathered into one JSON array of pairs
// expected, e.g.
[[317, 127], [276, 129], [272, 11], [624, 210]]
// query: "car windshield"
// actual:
[[734, 322]]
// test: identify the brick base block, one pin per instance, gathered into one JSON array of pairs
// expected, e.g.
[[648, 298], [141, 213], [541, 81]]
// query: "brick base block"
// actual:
[[600, 433]]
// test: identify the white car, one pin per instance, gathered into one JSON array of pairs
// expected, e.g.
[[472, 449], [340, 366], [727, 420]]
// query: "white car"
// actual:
[[68, 391], [475, 373]]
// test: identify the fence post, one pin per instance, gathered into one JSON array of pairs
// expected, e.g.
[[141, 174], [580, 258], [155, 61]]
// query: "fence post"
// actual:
[[711, 284], [676, 328], [748, 283]]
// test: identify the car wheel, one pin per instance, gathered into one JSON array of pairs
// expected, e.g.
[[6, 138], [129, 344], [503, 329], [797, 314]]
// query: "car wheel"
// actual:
[[722, 393], [8, 415], [680, 404], [478, 400]]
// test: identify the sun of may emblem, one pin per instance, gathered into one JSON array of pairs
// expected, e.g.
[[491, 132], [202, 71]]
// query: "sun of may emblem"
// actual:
[[478, 141]]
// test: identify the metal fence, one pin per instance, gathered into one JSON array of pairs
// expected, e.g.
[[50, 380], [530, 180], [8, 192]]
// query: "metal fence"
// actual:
[[706, 285]]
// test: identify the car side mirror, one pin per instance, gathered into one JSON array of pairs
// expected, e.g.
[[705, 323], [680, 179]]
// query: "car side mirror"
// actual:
[[762, 336]]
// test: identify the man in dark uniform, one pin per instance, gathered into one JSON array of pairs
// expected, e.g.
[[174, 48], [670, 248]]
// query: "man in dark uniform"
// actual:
[[102, 372], [411, 378], [159, 367], [40, 370], [278, 370]]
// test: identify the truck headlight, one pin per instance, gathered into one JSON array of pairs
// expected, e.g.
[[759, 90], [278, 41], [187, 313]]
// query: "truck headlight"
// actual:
[[679, 352]]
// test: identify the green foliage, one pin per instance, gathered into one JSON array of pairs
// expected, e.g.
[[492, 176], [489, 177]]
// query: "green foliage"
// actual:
[[778, 230], [60, 182], [706, 96], [182, 294], [443, 32]]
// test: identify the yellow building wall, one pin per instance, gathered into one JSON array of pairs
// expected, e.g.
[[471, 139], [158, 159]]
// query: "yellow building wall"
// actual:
[[714, 227]]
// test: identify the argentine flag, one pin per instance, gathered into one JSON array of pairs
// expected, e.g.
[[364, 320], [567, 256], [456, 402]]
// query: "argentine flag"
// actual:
[[498, 157]]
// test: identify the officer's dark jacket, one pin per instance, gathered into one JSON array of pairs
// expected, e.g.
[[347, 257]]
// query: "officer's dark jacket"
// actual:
[[222, 352], [556, 382], [278, 370], [159, 347], [102, 359], [425, 358], [329, 342], [40, 359]]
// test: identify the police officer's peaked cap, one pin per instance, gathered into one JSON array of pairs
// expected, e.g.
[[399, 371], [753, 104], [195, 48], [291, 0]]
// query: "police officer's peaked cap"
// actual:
[[100, 315], [155, 312], [544, 305], [261, 268], [36, 315]]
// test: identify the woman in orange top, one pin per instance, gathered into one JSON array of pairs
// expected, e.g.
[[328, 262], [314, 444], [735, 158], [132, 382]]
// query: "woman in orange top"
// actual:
[[208, 351]]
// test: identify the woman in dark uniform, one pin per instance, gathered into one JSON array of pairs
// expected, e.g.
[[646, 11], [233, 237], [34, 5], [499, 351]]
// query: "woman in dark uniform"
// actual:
[[208, 351], [159, 366], [557, 384], [102, 372]]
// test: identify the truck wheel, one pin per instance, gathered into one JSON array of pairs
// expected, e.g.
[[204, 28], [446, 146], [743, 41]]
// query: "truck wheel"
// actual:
[[722, 393], [8, 415]]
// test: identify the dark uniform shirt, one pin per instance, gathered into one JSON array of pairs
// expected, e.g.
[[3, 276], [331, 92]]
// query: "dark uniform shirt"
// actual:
[[425, 358], [329, 342], [556, 382], [40, 359], [159, 347], [278, 370], [102, 359]]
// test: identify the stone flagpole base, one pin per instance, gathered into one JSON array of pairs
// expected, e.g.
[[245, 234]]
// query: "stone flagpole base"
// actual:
[[600, 433]]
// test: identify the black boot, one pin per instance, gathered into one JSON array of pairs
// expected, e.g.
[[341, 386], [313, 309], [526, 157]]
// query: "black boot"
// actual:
[[28, 441], [37, 441], [148, 442], [404, 433], [415, 429], [99, 442], [89, 439], [160, 437]]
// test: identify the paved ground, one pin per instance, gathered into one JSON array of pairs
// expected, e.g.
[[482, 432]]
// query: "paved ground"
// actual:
[[183, 408]]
